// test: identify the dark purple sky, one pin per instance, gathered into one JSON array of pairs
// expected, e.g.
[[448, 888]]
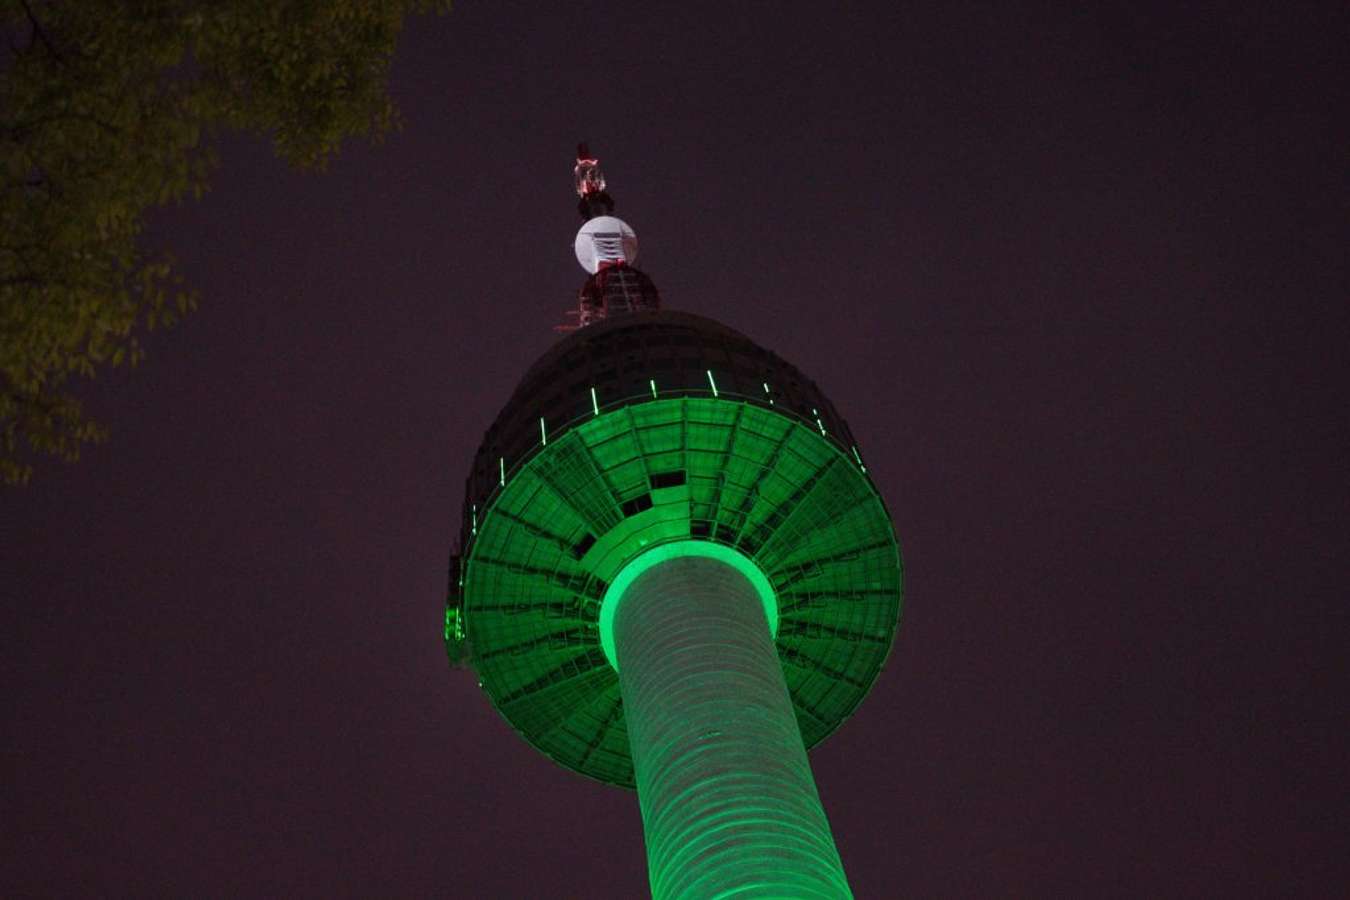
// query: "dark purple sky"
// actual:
[[1074, 279]]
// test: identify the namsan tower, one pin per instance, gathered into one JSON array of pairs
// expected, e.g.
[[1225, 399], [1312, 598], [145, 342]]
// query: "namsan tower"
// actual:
[[676, 575]]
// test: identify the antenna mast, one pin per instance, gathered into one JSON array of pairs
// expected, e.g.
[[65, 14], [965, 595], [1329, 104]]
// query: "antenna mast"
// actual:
[[606, 247]]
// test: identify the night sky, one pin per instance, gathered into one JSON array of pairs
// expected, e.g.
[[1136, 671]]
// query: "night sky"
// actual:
[[1076, 280]]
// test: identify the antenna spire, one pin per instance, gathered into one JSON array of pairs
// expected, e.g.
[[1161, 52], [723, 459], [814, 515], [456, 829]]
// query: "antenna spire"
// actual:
[[589, 182], [606, 248]]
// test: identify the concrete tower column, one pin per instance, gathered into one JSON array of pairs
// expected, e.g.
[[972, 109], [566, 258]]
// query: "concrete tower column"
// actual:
[[729, 806]]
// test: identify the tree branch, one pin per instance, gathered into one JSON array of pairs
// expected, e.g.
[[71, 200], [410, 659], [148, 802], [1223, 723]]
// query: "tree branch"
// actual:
[[39, 33]]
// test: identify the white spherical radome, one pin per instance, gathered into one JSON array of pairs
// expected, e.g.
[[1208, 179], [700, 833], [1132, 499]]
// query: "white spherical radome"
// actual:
[[605, 240]]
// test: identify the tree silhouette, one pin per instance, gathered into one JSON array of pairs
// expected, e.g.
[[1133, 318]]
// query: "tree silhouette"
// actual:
[[105, 112]]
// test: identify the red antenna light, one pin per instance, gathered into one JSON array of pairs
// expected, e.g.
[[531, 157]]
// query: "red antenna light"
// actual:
[[587, 178]]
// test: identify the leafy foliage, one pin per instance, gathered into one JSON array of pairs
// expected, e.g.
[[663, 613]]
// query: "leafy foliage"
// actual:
[[104, 111]]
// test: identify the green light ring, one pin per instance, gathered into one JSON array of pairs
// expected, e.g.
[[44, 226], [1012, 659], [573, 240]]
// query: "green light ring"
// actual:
[[609, 603]]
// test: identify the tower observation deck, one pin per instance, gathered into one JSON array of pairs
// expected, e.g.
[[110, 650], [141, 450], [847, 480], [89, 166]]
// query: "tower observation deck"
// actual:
[[675, 574]]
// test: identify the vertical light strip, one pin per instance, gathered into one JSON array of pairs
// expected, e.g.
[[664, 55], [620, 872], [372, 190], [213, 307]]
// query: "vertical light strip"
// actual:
[[454, 625], [819, 424], [858, 458], [595, 403], [543, 433], [652, 382], [501, 470], [474, 524], [712, 382], [768, 393]]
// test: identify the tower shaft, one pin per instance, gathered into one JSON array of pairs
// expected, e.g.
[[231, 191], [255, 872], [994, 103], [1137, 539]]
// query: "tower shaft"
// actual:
[[728, 801]]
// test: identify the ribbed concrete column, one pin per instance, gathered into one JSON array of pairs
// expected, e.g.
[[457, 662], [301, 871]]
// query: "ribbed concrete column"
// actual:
[[729, 806]]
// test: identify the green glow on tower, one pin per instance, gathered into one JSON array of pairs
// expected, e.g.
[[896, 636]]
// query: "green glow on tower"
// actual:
[[683, 591], [660, 553], [729, 805], [606, 489]]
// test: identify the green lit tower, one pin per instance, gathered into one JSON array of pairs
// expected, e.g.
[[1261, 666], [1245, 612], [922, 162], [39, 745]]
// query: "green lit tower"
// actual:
[[675, 575]]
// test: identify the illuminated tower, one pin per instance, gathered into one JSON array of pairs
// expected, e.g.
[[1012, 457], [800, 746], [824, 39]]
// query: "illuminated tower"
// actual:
[[675, 574]]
